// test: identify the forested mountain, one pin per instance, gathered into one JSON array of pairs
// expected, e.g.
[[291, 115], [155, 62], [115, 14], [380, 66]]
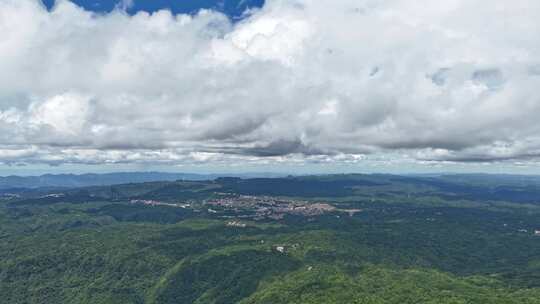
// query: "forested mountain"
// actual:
[[311, 239], [84, 180]]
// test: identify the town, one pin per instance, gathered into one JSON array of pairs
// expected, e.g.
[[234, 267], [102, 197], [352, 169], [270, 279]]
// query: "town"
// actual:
[[254, 207], [267, 207]]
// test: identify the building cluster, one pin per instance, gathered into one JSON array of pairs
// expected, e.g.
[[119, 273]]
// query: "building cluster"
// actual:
[[253, 207], [236, 224], [158, 203], [285, 248], [266, 207], [55, 195], [9, 195]]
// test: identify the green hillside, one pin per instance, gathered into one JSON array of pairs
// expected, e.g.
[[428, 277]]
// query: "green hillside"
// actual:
[[413, 245]]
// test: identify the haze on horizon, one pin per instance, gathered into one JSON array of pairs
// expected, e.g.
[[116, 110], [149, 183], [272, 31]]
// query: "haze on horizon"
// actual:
[[289, 86]]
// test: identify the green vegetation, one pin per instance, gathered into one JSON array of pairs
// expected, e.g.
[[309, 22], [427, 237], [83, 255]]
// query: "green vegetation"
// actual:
[[414, 241]]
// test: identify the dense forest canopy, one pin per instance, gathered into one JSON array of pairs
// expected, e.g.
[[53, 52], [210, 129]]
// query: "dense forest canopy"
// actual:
[[313, 239]]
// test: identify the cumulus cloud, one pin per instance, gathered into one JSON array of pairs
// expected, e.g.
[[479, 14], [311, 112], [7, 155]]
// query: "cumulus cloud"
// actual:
[[299, 80]]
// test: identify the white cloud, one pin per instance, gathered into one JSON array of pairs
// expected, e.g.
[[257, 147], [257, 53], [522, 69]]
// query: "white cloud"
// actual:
[[67, 113], [299, 80], [125, 4]]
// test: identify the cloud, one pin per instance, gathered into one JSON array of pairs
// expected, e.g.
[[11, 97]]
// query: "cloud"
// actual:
[[65, 114], [125, 4], [298, 81], [282, 148]]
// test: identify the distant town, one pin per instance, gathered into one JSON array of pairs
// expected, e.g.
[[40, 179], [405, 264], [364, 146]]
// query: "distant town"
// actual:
[[255, 207]]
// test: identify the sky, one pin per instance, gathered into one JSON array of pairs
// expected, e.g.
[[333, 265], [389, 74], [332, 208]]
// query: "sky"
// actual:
[[234, 9], [305, 86]]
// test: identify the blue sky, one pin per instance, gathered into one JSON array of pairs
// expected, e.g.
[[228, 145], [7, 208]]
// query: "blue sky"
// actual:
[[232, 8]]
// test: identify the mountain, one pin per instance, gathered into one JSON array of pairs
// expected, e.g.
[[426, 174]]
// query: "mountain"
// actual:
[[328, 239], [85, 180]]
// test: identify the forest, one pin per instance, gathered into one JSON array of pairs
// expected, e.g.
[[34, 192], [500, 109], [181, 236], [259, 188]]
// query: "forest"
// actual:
[[415, 239]]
